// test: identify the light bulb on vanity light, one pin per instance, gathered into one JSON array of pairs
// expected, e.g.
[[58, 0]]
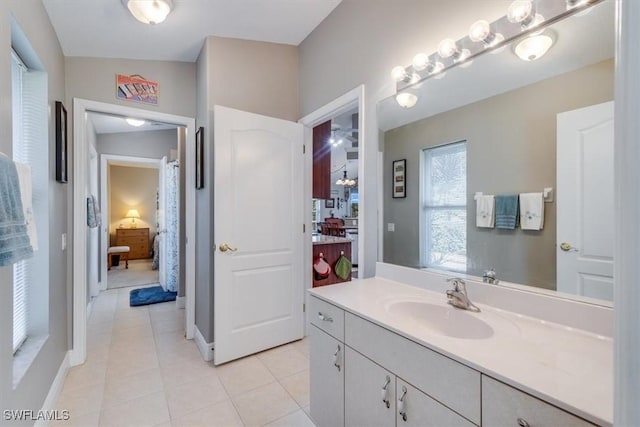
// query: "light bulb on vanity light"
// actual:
[[399, 74], [480, 32], [449, 49], [406, 99], [520, 11], [421, 62]]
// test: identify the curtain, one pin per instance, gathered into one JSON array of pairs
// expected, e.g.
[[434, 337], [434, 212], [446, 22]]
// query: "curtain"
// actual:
[[171, 226]]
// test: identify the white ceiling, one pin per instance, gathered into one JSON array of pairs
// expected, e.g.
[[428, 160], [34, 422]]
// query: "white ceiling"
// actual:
[[105, 28], [106, 123]]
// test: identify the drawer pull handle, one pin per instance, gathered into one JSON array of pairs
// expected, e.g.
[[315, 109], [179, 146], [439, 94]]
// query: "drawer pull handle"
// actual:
[[336, 358], [324, 318], [385, 392], [401, 404], [523, 423]]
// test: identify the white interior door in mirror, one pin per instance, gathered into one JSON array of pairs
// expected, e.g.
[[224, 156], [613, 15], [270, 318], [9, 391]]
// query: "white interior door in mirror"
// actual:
[[162, 226], [258, 208], [585, 201]]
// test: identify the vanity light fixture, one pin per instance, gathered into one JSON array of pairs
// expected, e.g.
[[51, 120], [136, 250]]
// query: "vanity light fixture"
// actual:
[[134, 122], [524, 20], [149, 11], [533, 47], [406, 99]]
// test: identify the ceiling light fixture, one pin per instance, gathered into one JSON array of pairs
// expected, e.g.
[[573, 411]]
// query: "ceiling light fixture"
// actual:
[[533, 47], [406, 99], [346, 181], [134, 122], [149, 11]]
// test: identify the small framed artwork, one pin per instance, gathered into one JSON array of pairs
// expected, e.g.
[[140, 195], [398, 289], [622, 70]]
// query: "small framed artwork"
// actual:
[[399, 179], [200, 158], [330, 203], [61, 143]]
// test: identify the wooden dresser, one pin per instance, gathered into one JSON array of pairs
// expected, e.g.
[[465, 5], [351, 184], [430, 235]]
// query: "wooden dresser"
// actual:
[[137, 239]]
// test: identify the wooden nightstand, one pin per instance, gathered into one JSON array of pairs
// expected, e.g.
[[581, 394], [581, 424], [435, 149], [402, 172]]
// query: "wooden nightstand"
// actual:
[[137, 239]]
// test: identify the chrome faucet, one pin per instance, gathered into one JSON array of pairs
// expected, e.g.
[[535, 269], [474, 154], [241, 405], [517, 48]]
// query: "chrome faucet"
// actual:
[[458, 297], [489, 276]]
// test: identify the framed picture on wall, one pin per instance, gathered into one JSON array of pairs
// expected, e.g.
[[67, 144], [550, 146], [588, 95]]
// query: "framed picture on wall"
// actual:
[[200, 158], [61, 143], [399, 179], [330, 203]]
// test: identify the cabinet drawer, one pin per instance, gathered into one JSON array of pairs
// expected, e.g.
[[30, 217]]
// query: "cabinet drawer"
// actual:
[[447, 381], [422, 411], [503, 405], [327, 317], [133, 232]]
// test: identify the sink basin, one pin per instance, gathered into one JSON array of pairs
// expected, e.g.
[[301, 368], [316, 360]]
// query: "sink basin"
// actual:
[[444, 320]]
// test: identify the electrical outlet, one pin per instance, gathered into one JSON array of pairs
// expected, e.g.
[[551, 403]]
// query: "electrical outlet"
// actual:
[[391, 226]]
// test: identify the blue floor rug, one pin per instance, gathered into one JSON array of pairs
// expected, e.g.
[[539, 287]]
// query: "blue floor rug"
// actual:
[[153, 295]]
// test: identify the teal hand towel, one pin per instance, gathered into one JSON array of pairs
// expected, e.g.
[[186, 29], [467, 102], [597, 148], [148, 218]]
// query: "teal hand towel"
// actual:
[[14, 240], [506, 211]]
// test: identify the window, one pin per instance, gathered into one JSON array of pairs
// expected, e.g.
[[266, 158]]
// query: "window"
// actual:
[[31, 146], [444, 207]]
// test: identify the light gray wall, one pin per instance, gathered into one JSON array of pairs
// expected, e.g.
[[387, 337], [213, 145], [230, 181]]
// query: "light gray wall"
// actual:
[[359, 43], [95, 79], [32, 390], [252, 76], [152, 144], [511, 148]]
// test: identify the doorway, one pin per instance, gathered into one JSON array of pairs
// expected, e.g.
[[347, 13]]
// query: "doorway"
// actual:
[[82, 108]]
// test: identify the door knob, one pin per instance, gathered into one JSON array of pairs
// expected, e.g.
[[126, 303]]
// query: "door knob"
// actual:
[[225, 247], [567, 247]]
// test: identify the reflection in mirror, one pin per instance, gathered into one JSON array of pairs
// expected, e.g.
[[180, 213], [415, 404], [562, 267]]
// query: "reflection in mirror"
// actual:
[[506, 126]]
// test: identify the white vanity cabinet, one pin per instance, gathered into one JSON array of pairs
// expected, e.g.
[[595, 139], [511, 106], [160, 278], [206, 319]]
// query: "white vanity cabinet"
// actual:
[[363, 374], [370, 392], [327, 379], [503, 405]]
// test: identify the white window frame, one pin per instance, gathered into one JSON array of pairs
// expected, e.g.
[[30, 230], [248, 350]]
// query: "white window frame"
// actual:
[[426, 208]]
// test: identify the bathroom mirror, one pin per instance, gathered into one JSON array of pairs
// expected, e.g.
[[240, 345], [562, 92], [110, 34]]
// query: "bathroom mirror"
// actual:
[[505, 111]]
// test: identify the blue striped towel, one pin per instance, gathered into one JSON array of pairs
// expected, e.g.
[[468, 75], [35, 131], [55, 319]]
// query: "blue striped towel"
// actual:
[[506, 211], [14, 240]]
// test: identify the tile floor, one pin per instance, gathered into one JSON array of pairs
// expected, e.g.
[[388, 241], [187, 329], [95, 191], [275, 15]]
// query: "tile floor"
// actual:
[[140, 371]]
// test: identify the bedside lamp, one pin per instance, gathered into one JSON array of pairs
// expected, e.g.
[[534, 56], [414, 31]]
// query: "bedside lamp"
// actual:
[[133, 214]]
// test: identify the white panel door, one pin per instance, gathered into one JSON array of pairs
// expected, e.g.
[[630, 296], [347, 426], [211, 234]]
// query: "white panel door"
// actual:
[[162, 225], [585, 201], [258, 220]]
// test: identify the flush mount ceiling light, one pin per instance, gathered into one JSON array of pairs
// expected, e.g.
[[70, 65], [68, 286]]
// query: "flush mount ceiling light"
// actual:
[[149, 11], [406, 99], [533, 47], [134, 122]]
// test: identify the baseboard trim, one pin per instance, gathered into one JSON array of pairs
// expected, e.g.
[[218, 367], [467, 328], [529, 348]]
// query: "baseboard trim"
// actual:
[[206, 349], [181, 302], [56, 387]]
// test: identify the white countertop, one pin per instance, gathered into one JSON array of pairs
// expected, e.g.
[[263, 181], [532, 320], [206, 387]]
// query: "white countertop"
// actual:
[[567, 367], [322, 239]]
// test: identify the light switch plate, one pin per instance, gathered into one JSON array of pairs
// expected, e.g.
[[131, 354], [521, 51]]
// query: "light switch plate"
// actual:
[[64, 241], [391, 226]]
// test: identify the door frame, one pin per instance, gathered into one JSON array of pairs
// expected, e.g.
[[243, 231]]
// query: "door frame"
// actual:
[[107, 160], [81, 107], [350, 100]]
